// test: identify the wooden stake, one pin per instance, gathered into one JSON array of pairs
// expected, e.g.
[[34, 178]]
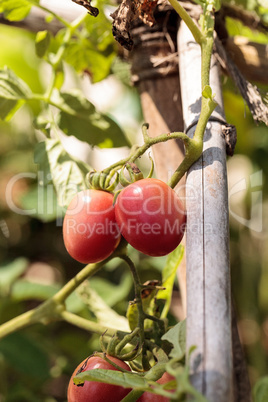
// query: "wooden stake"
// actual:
[[207, 248]]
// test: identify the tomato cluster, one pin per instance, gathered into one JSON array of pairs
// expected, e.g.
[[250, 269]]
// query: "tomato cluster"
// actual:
[[148, 213], [151, 217], [100, 392]]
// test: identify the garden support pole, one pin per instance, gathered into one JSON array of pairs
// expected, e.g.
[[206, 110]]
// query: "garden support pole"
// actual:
[[207, 248]]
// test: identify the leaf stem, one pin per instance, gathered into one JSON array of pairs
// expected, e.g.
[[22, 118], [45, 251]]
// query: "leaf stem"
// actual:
[[58, 17], [138, 299], [19, 322], [58, 57], [53, 309], [204, 38], [197, 34], [206, 52], [88, 325], [88, 271], [137, 151]]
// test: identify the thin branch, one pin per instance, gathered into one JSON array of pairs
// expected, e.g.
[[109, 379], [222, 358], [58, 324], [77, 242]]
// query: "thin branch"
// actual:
[[249, 92], [86, 324]]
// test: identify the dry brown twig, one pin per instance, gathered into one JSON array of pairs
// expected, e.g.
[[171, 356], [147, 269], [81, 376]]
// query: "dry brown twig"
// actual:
[[250, 93]]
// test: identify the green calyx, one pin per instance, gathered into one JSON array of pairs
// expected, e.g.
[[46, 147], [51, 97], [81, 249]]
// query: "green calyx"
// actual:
[[134, 174], [124, 347]]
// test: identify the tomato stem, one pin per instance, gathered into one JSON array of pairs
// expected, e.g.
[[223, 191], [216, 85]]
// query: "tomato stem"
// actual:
[[86, 324], [55, 15], [56, 61], [137, 151], [197, 34], [103, 355], [17, 323], [53, 309], [204, 37], [160, 322], [138, 299]]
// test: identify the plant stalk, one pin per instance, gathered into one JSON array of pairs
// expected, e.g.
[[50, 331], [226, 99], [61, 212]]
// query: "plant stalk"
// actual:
[[138, 300], [53, 309]]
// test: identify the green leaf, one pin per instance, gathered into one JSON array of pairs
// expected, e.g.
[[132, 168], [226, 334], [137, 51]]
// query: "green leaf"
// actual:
[[177, 337], [217, 5], [25, 290], [65, 172], [207, 92], [94, 52], [79, 117], [169, 276], [181, 373], [235, 27], [91, 61], [42, 42], [74, 304], [41, 203], [122, 70], [25, 355], [110, 293], [16, 10], [12, 89], [126, 380], [260, 390], [103, 313], [6, 107], [10, 272], [149, 307], [43, 122]]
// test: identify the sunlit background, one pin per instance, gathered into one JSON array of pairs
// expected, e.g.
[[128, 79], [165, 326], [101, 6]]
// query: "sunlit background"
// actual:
[[36, 363]]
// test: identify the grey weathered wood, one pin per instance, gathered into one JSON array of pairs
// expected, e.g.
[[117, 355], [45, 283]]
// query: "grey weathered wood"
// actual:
[[207, 248]]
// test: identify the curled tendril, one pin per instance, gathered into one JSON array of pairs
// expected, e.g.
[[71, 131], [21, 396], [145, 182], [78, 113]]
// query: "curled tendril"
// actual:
[[112, 180], [109, 181], [122, 178], [102, 181], [152, 168], [136, 367], [117, 344]]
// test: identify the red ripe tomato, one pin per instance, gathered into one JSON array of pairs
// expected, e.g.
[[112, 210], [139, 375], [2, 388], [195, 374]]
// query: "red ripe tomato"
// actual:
[[148, 397], [151, 217], [92, 391], [90, 232]]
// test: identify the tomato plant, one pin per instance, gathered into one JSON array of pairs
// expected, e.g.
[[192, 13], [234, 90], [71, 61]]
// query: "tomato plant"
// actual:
[[151, 216], [96, 391], [149, 397], [148, 212], [90, 231]]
